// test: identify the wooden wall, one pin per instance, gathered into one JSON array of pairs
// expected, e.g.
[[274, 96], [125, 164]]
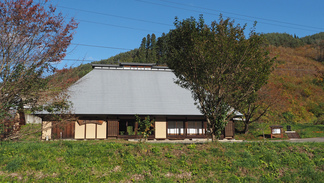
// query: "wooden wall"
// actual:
[[64, 131]]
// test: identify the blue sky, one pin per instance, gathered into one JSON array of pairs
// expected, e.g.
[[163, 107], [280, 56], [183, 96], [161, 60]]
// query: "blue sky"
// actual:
[[108, 24]]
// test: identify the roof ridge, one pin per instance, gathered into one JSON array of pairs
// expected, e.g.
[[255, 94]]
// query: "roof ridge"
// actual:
[[131, 66]]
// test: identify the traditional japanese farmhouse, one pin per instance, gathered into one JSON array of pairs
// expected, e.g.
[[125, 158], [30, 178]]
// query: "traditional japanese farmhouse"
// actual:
[[107, 99]]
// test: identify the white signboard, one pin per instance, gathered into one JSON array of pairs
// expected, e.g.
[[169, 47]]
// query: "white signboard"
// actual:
[[276, 131]]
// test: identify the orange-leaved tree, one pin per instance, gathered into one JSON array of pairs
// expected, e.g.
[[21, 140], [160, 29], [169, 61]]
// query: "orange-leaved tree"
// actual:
[[32, 36]]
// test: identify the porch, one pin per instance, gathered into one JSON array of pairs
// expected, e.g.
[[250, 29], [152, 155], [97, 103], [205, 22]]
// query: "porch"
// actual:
[[127, 128]]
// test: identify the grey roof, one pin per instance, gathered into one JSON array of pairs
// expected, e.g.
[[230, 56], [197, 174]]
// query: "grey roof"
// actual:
[[136, 64], [130, 92], [104, 65]]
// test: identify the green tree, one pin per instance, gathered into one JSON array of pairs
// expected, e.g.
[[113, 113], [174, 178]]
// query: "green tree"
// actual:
[[219, 65], [161, 49], [313, 39], [32, 36], [141, 53], [153, 58], [145, 127], [148, 48], [320, 48], [284, 40]]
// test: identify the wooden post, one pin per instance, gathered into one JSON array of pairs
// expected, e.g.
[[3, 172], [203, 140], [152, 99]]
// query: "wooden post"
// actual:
[[185, 128]]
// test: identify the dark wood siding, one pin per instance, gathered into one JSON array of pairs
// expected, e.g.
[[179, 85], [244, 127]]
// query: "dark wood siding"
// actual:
[[112, 130], [229, 132], [64, 131]]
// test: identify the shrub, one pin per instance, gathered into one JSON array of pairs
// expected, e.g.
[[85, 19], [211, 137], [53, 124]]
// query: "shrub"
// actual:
[[306, 92], [289, 117], [192, 146], [319, 120], [317, 109], [145, 127]]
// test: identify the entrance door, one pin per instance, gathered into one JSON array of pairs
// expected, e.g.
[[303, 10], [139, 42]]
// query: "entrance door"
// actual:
[[64, 131], [229, 130], [113, 128]]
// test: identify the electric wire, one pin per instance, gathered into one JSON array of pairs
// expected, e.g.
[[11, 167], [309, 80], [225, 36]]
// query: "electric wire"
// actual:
[[270, 20], [113, 25], [159, 4], [146, 21], [117, 16], [98, 46]]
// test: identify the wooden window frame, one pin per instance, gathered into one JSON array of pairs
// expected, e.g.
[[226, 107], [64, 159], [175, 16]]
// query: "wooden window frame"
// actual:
[[185, 128]]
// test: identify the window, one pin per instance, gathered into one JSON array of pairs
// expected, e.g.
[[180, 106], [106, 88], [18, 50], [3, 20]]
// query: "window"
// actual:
[[195, 128], [175, 128], [127, 127]]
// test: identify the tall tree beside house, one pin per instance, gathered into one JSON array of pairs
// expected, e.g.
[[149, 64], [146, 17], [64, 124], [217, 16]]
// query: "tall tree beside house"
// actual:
[[153, 58], [148, 48], [161, 49], [219, 65], [148, 41], [147, 52], [33, 36], [141, 52]]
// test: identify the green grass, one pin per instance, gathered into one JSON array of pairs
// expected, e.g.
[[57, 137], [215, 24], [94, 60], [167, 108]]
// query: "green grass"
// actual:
[[305, 130], [121, 161], [308, 130], [30, 132]]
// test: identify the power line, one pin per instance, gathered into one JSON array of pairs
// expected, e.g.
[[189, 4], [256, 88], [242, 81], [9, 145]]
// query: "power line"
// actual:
[[117, 16], [125, 27], [98, 46], [271, 20], [217, 15], [79, 60], [146, 21]]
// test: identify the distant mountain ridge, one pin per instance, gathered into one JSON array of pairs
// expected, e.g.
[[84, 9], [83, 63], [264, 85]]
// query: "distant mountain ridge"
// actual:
[[292, 41]]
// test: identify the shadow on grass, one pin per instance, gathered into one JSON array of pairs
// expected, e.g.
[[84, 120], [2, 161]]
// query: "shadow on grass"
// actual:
[[267, 136]]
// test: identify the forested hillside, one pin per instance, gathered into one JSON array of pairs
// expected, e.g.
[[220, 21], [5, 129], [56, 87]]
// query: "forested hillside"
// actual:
[[295, 88], [289, 41], [298, 86]]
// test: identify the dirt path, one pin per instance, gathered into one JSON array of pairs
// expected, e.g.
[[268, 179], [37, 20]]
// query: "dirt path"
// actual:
[[318, 139]]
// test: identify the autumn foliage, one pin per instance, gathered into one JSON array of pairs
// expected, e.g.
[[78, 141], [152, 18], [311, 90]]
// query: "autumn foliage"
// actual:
[[32, 36], [300, 79]]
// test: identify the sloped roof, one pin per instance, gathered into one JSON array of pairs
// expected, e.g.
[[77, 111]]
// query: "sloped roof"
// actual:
[[129, 92]]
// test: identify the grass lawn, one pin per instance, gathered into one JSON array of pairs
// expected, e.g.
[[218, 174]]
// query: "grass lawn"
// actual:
[[256, 131], [122, 161], [308, 130]]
